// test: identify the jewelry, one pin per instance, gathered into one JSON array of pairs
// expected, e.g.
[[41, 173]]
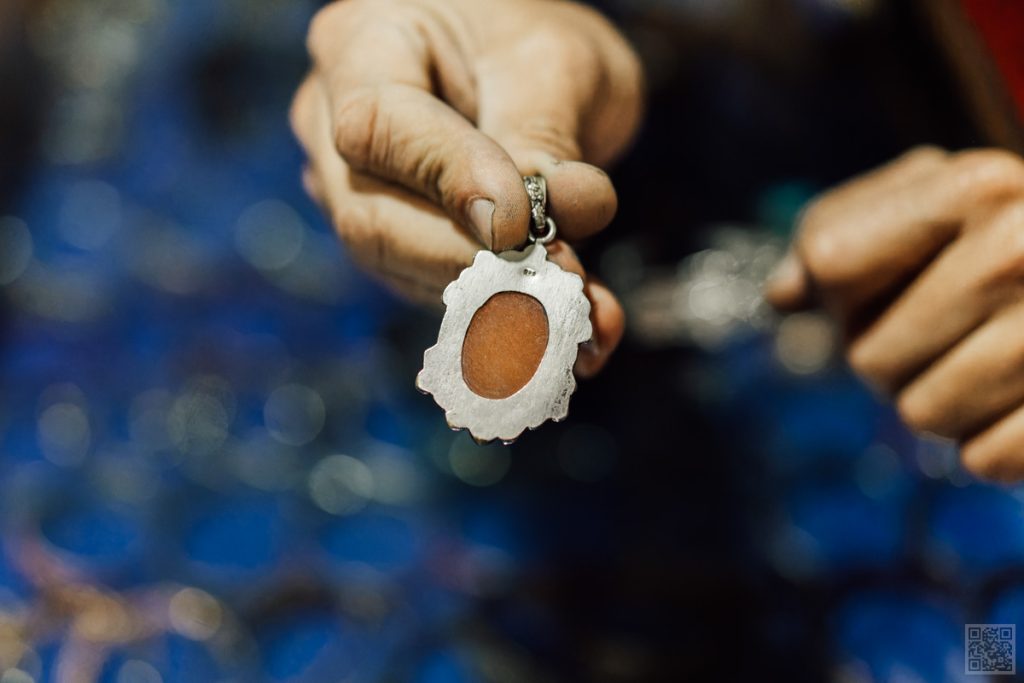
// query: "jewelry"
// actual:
[[509, 338]]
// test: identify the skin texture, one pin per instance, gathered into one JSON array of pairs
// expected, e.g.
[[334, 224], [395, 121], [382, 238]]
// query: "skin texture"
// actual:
[[922, 264], [420, 117]]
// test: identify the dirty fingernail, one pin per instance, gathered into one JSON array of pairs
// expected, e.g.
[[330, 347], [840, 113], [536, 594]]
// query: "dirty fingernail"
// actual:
[[481, 215]]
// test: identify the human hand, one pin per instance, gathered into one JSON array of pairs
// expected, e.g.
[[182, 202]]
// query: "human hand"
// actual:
[[420, 118], [922, 264]]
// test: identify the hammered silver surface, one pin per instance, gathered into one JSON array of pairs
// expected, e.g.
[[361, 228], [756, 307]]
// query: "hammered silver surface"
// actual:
[[546, 395]]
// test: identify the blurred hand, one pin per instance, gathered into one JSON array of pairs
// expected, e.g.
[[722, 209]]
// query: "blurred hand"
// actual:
[[922, 263], [420, 117]]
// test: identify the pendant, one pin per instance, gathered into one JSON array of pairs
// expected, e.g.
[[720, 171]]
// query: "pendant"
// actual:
[[509, 339]]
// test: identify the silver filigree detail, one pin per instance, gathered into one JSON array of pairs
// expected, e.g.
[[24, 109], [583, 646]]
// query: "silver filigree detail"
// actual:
[[537, 191]]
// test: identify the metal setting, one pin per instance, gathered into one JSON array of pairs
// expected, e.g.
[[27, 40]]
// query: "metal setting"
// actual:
[[546, 395], [543, 229], [548, 235], [537, 191]]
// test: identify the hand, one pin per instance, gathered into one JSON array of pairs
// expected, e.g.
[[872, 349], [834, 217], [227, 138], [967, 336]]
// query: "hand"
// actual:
[[922, 263], [421, 116]]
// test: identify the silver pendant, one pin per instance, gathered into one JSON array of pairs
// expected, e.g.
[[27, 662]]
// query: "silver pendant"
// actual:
[[537, 285]]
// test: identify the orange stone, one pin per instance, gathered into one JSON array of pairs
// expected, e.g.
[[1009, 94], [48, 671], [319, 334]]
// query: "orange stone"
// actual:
[[504, 344]]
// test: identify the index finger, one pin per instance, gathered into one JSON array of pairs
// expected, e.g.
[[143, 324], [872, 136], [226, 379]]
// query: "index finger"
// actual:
[[379, 75], [857, 247]]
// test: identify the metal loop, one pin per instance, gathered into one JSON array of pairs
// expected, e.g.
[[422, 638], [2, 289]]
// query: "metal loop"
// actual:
[[543, 229], [549, 233]]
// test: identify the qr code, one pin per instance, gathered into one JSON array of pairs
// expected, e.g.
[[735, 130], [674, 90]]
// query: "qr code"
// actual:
[[991, 649]]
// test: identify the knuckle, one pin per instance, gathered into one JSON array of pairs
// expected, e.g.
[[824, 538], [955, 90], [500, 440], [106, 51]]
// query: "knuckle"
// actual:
[[578, 51], [988, 171], [333, 26], [356, 224], [1005, 229], [926, 153], [555, 138], [329, 24], [324, 26], [822, 252], [564, 45], [822, 248], [427, 171], [362, 133]]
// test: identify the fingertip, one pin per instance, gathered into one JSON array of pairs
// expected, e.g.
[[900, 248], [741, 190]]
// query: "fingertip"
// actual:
[[510, 225], [581, 198], [498, 210], [788, 287], [561, 253], [609, 323], [991, 463], [608, 315], [589, 361]]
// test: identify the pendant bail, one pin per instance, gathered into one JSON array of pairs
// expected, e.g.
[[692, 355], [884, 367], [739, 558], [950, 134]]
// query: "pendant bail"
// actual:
[[543, 229]]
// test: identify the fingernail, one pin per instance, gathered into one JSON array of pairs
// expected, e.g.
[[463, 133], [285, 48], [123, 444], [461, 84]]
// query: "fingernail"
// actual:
[[481, 215]]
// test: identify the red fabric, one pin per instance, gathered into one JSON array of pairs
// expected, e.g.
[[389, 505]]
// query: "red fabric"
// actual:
[[1001, 25]]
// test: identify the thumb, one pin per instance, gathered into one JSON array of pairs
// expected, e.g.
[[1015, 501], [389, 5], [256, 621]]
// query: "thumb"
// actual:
[[581, 197], [788, 288]]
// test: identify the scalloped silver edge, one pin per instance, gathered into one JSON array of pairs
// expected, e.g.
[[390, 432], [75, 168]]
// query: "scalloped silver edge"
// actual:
[[546, 396]]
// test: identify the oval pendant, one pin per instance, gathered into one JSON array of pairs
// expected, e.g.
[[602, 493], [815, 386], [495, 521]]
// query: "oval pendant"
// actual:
[[508, 342]]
